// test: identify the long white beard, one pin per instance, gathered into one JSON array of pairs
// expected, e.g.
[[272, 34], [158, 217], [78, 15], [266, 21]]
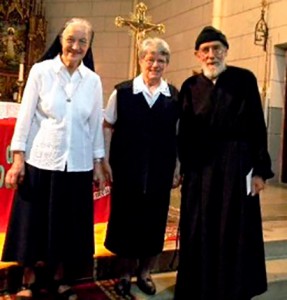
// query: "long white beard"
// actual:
[[213, 73]]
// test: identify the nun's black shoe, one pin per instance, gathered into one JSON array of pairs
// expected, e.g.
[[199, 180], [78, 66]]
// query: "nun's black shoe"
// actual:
[[28, 292], [146, 285], [123, 287]]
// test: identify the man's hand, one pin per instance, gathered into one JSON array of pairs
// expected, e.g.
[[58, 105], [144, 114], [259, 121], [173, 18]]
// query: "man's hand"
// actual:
[[257, 185]]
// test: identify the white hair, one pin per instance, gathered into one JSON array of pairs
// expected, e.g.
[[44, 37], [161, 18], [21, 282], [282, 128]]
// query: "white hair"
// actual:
[[81, 21], [154, 44]]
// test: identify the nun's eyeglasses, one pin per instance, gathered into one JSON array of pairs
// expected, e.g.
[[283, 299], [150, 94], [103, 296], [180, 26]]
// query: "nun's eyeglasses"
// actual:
[[151, 61]]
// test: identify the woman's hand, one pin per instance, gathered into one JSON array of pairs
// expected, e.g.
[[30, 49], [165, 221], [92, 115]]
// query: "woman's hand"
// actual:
[[15, 174], [108, 171], [99, 176], [177, 178]]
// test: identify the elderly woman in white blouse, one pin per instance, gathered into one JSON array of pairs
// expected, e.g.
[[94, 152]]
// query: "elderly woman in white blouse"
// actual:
[[57, 147]]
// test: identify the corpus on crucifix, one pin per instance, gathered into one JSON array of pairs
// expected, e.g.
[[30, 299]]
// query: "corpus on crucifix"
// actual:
[[140, 25]]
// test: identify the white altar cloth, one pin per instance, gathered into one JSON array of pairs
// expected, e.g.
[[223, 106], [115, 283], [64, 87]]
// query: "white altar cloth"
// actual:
[[9, 110]]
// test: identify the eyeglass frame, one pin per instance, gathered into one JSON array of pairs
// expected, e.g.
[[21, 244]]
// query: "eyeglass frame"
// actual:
[[217, 50], [150, 62]]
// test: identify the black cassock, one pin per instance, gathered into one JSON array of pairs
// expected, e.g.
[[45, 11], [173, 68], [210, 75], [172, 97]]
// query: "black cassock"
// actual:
[[142, 157], [222, 138]]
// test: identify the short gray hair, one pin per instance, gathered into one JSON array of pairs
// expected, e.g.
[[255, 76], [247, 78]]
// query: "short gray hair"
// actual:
[[156, 45]]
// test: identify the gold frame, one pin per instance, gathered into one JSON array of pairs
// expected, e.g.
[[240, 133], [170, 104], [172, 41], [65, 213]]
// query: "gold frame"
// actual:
[[22, 39]]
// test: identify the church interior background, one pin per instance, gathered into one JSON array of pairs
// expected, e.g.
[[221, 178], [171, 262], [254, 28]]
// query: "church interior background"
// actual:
[[22, 36], [32, 25], [256, 31]]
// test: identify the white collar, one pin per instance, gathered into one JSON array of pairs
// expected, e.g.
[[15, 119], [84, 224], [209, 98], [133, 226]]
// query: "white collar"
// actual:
[[58, 65], [139, 86]]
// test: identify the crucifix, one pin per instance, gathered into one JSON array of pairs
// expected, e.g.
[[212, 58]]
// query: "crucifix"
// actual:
[[140, 25]]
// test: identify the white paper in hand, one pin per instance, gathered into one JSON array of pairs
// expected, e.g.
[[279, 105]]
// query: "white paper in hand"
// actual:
[[248, 182]]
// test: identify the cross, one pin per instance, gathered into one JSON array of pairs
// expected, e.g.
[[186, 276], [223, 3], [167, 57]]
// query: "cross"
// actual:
[[140, 25]]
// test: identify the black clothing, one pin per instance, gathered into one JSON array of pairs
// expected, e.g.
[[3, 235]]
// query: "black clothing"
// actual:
[[142, 157], [41, 227], [222, 136]]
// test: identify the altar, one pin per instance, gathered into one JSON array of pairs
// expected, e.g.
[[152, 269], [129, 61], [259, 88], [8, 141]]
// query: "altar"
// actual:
[[6, 195], [9, 110], [8, 117]]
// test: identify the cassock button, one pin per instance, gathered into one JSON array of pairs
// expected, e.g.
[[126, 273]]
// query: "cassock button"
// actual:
[[68, 100]]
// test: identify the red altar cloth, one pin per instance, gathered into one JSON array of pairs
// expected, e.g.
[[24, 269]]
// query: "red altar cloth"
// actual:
[[101, 199], [6, 195]]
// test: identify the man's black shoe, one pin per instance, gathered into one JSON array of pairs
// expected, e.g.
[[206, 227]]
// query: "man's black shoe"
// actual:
[[123, 287], [146, 285]]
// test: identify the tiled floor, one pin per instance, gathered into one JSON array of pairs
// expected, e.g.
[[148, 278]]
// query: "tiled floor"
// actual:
[[164, 284], [274, 214]]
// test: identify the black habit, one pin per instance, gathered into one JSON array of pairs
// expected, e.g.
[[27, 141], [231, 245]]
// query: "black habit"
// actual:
[[222, 137], [52, 221], [142, 157]]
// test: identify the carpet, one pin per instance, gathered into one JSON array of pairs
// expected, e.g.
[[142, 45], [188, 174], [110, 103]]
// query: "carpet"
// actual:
[[103, 288], [100, 290], [107, 287], [171, 232], [86, 291]]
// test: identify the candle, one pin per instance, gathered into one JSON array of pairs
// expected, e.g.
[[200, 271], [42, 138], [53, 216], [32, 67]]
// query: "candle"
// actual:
[[15, 96], [21, 72]]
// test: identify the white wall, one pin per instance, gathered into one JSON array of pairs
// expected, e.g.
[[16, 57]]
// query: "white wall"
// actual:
[[183, 21], [111, 45]]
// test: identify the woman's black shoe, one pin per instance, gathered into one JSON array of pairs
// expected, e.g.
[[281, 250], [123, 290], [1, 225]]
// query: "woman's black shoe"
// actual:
[[123, 287], [30, 291], [146, 285]]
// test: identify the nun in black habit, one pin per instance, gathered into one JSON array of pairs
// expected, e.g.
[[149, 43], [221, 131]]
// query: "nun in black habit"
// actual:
[[140, 131], [224, 162]]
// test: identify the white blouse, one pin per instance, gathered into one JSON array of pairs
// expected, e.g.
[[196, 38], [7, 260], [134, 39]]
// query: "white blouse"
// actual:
[[138, 87], [60, 119]]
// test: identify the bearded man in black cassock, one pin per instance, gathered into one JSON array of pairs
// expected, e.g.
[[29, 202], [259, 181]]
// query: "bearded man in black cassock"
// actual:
[[225, 162]]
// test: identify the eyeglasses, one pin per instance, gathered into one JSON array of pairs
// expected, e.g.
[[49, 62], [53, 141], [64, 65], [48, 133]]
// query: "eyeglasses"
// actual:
[[72, 41], [216, 49], [151, 61]]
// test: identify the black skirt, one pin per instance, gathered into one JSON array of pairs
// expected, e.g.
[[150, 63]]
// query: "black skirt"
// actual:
[[52, 221]]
